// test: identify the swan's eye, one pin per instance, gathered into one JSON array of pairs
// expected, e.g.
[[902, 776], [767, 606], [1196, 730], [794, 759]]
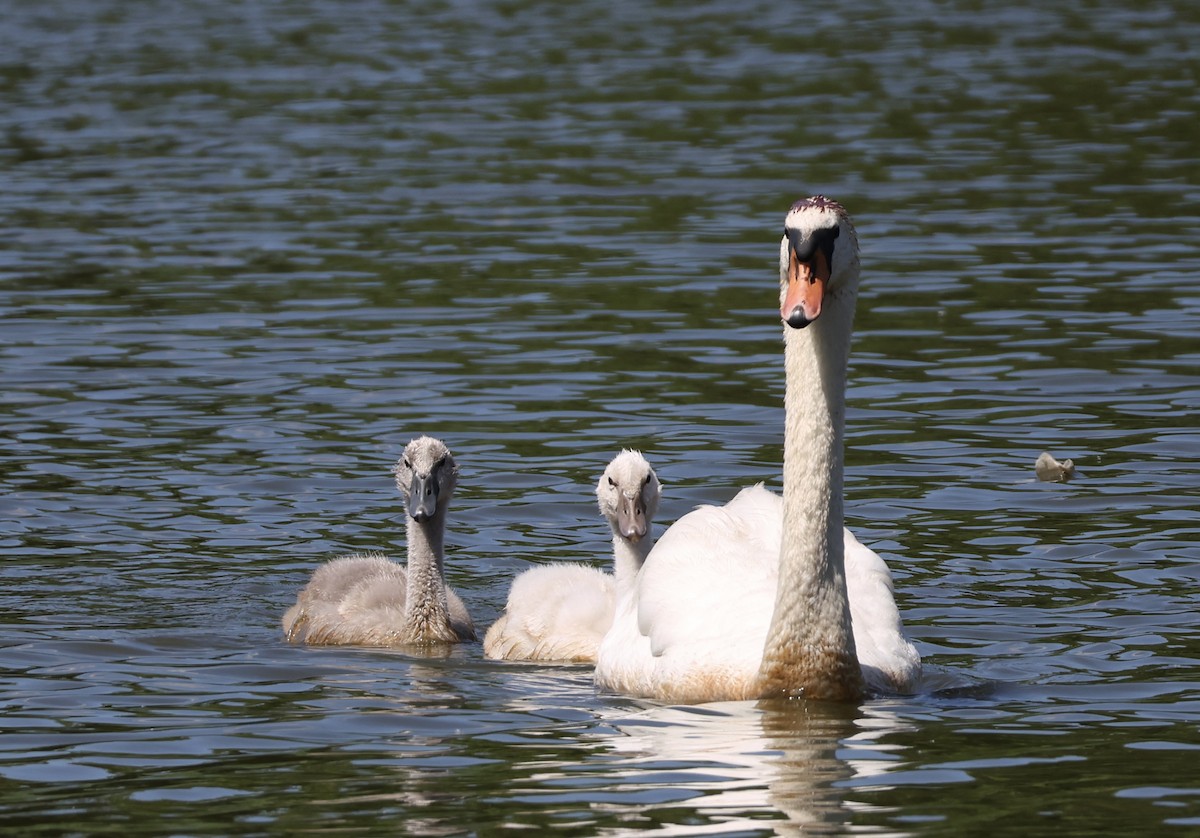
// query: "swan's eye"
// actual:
[[407, 464], [612, 483]]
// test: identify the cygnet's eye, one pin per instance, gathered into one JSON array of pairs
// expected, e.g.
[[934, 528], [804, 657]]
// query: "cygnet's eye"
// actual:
[[407, 464], [612, 483]]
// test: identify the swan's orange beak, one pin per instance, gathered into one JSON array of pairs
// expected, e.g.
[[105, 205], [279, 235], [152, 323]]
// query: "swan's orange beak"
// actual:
[[805, 289]]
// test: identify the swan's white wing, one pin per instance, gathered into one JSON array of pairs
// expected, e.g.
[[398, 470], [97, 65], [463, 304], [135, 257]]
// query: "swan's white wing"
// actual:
[[709, 573], [696, 619], [889, 661], [702, 604]]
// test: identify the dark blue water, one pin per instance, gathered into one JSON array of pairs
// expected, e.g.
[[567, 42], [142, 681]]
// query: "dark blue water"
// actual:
[[247, 251]]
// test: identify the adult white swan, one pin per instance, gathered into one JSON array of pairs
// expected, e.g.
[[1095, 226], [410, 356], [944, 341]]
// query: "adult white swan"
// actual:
[[749, 600], [368, 600], [560, 612]]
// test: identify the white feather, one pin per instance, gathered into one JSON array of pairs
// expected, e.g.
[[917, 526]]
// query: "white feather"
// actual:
[[560, 612], [749, 599]]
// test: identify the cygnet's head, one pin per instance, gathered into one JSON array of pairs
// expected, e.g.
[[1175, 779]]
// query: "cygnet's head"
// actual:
[[818, 259], [628, 494], [426, 476]]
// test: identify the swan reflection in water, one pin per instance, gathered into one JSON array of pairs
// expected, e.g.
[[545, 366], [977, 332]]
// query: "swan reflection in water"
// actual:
[[774, 764], [790, 767]]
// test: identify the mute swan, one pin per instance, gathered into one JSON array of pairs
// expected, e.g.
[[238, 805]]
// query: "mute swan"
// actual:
[[559, 612], [367, 600], [749, 600]]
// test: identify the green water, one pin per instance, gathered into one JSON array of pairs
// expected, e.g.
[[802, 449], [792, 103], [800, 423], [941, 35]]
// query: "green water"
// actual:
[[248, 250]]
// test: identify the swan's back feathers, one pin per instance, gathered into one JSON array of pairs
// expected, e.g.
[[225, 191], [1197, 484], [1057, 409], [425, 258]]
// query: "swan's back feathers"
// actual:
[[889, 661], [714, 555], [694, 624], [317, 617], [333, 580], [702, 606], [575, 610], [361, 600], [560, 612]]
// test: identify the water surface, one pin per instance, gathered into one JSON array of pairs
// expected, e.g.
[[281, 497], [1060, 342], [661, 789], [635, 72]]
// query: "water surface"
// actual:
[[249, 250]]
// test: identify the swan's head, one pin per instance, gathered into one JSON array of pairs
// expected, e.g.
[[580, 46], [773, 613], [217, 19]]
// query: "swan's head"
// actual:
[[426, 476], [818, 259], [628, 494]]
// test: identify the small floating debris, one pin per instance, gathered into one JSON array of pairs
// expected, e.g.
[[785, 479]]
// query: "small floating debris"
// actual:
[[1050, 469]]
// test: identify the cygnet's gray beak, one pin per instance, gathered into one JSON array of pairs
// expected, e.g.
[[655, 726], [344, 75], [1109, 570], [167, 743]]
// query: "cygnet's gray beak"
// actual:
[[422, 497], [631, 517]]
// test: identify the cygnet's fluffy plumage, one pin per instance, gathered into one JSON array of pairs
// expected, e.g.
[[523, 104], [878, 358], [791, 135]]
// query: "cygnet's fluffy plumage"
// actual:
[[368, 600], [560, 612]]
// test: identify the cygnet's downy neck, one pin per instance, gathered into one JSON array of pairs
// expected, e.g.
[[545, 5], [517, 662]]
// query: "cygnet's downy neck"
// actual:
[[810, 647], [427, 616], [628, 558]]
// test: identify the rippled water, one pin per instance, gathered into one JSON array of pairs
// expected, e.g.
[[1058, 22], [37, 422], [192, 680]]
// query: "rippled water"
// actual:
[[249, 250]]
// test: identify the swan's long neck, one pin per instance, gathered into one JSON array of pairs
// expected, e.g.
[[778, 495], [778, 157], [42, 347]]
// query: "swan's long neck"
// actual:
[[628, 558], [426, 614], [810, 647]]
